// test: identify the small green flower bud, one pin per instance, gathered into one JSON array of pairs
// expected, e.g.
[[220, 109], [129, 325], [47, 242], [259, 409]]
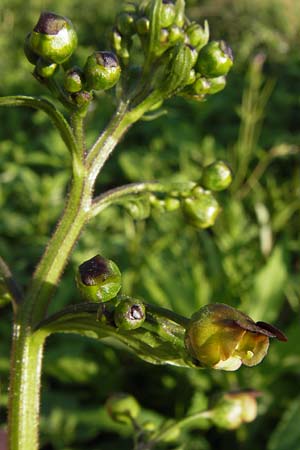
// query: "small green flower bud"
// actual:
[[125, 23], [116, 40], [142, 26], [215, 59], [201, 209], [176, 34], [164, 36], [168, 13], [45, 69], [192, 77], [29, 53], [171, 204], [217, 176], [122, 408], [129, 314], [98, 279], [201, 86], [198, 36], [223, 338], [235, 408], [82, 98], [53, 38], [102, 70], [73, 80], [217, 84]]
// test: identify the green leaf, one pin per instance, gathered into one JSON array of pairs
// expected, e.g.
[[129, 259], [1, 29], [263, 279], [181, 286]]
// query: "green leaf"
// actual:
[[287, 434], [269, 284]]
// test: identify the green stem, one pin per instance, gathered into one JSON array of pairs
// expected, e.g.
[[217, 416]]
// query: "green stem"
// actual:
[[183, 423], [25, 389], [117, 194], [11, 284]]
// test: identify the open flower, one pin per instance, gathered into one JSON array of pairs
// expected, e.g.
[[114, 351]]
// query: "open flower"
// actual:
[[222, 337]]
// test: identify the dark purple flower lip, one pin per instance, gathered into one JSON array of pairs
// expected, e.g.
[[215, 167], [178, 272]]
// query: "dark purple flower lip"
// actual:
[[272, 330], [255, 327]]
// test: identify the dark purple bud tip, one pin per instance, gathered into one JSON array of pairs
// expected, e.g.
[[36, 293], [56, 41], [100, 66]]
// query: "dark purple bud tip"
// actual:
[[107, 59], [168, 2], [92, 269], [137, 312], [226, 49], [49, 23]]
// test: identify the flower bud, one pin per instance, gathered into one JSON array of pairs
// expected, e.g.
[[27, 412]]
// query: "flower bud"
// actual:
[[198, 36], [176, 34], [217, 84], [217, 176], [235, 408], [102, 70], [129, 314], [201, 209], [73, 80], [82, 99], [168, 13], [125, 23], [215, 59], [53, 38], [122, 408], [98, 279], [142, 25], [221, 337], [45, 69]]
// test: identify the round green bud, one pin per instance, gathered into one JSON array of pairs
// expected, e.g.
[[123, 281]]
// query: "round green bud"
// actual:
[[82, 98], [102, 70], [201, 209], [122, 408], [168, 13], [29, 53], [217, 84], [142, 26], [217, 176], [129, 314], [233, 409], [175, 34], [201, 86], [125, 23], [53, 38], [98, 279], [73, 80], [215, 59], [171, 204], [45, 69], [198, 36]]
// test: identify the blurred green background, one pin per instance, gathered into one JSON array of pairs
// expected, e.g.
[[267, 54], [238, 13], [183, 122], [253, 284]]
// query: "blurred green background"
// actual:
[[250, 259]]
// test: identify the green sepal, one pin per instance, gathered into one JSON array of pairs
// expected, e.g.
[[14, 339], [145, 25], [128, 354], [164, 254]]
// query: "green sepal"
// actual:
[[198, 36], [98, 279], [45, 69]]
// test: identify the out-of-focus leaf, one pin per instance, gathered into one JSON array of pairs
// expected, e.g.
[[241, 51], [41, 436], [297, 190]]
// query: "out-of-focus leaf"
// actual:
[[287, 434]]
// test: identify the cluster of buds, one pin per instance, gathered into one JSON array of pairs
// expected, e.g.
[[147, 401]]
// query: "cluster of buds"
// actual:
[[221, 337], [197, 201], [179, 59], [52, 43], [99, 280]]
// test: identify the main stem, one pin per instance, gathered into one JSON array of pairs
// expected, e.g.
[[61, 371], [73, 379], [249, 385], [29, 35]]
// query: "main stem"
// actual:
[[27, 349]]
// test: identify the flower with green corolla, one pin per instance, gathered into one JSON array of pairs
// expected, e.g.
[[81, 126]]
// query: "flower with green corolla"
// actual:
[[221, 337]]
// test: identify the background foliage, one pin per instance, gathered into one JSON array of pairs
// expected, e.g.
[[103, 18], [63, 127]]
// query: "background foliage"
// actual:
[[249, 260]]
